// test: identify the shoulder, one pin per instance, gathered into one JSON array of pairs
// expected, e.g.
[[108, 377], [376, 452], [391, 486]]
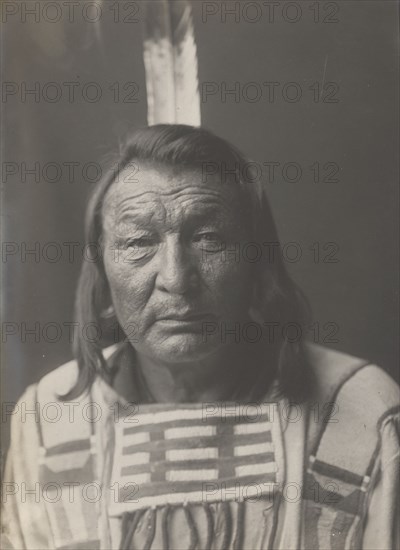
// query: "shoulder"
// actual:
[[62, 379], [58, 421], [357, 397], [336, 373]]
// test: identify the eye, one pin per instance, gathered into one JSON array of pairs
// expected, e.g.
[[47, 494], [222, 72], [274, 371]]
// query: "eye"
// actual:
[[139, 247], [209, 240], [140, 242]]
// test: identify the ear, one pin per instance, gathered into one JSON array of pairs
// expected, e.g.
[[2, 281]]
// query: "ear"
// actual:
[[104, 300], [108, 313], [254, 311]]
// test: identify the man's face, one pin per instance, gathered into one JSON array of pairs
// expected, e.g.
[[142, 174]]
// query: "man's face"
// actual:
[[169, 255]]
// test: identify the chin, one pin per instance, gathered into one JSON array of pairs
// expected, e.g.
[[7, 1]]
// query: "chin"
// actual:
[[182, 348]]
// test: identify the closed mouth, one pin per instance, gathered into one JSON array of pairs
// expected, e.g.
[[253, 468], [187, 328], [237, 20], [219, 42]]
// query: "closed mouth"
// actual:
[[186, 317]]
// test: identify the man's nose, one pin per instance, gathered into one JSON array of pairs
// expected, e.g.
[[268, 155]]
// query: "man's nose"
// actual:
[[177, 272]]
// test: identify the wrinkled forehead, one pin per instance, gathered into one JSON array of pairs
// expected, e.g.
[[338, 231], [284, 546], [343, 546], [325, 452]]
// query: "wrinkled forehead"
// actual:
[[142, 188]]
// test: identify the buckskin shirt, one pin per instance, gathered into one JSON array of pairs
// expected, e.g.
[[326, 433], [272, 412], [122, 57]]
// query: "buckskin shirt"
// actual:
[[101, 473]]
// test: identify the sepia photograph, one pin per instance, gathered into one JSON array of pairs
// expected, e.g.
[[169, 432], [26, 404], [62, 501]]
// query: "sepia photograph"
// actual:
[[200, 268]]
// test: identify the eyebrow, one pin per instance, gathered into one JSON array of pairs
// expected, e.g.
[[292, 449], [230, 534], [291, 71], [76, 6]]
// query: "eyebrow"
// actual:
[[145, 218], [135, 218]]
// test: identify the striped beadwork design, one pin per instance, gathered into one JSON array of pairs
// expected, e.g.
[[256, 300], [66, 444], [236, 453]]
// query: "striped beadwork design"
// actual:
[[182, 456], [67, 478], [335, 498]]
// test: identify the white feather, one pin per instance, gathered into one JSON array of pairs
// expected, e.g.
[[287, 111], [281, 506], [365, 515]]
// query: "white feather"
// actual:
[[170, 59]]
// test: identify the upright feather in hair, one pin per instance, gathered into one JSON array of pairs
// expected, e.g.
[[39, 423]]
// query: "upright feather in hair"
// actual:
[[170, 59]]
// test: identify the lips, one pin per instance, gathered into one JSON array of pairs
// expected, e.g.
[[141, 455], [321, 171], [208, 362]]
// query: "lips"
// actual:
[[189, 316]]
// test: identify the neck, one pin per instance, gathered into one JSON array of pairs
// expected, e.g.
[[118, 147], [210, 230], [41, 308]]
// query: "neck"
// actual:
[[213, 379]]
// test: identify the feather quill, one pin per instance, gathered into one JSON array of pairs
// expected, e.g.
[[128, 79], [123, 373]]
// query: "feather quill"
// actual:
[[170, 60]]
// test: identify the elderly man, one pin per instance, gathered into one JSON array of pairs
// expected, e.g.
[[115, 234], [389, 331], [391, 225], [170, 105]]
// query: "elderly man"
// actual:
[[186, 433]]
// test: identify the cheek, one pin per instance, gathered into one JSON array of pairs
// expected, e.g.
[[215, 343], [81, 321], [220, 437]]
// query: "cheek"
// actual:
[[129, 290], [229, 281]]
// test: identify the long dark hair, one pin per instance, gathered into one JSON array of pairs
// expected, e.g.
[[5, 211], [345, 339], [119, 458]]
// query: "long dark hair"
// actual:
[[277, 297]]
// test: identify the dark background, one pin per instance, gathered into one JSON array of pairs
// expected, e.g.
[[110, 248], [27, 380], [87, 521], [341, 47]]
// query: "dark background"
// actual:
[[359, 133]]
